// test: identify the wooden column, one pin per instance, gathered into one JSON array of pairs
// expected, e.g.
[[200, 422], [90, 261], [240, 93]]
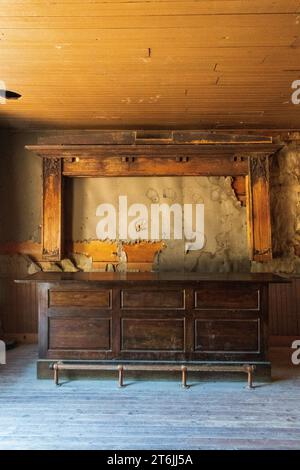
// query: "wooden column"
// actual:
[[52, 209], [258, 207]]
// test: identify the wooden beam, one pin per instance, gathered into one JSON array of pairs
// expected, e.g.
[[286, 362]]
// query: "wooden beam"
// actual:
[[201, 137], [91, 137], [156, 166], [151, 150], [258, 203], [52, 209], [94, 137]]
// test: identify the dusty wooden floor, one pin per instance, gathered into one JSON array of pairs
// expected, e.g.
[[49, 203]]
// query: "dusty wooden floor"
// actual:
[[95, 414]]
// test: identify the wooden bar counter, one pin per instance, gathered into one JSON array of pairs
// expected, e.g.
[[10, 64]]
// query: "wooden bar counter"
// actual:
[[157, 317]]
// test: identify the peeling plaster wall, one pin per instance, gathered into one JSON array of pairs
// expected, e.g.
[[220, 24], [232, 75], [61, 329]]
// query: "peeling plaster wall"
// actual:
[[225, 246]]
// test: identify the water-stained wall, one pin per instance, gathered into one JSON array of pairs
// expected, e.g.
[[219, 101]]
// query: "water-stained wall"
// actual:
[[225, 237]]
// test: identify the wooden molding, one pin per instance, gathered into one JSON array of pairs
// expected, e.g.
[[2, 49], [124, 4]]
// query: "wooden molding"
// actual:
[[141, 136], [150, 150], [155, 166]]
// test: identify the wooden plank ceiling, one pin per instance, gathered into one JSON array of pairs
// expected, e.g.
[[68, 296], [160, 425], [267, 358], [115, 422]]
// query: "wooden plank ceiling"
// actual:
[[219, 64]]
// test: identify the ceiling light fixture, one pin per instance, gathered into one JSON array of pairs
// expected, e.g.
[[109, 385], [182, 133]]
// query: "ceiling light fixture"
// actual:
[[9, 95]]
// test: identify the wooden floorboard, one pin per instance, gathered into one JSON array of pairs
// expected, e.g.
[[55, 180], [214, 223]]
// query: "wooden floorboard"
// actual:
[[147, 414]]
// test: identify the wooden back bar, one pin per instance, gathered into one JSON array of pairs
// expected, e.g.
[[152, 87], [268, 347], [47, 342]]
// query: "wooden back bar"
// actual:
[[157, 153]]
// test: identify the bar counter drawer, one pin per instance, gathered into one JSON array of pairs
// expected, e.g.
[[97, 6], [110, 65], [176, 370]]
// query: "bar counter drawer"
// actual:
[[154, 299], [88, 298], [227, 298]]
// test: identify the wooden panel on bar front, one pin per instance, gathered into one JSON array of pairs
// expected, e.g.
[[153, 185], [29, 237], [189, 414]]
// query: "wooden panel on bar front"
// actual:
[[155, 166], [259, 215], [80, 333], [242, 298], [145, 334], [221, 335], [83, 298], [152, 299], [52, 209], [154, 326]]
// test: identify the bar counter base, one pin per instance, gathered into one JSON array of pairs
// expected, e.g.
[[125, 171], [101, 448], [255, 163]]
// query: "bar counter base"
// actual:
[[155, 321]]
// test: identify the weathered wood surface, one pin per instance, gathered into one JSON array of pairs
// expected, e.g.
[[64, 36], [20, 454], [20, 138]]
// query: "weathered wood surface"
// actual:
[[95, 414], [19, 309], [258, 209], [99, 298], [125, 137], [150, 150], [52, 209], [133, 277], [153, 316], [156, 166], [170, 64]]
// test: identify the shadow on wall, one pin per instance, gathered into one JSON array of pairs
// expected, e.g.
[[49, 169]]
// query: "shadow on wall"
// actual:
[[20, 189], [20, 218]]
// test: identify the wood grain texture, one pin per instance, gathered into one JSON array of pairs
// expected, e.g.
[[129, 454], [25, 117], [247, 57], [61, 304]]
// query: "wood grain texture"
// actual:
[[19, 313], [162, 149], [221, 335], [243, 298], [156, 166], [123, 64], [52, 210], [153, 317], [141, 137], [149, 334], [18, 308], [285, 309], [74, 279], [83, 298], [77, 333], [259, 215], [153, 299]]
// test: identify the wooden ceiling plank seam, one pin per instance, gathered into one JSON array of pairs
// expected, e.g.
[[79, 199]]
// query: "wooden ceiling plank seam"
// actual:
[[208, 7], [210, 22]]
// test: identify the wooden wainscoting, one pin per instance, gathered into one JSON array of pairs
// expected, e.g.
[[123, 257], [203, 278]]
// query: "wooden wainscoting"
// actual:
[[284, 313], [19, 316], [18, 310]]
